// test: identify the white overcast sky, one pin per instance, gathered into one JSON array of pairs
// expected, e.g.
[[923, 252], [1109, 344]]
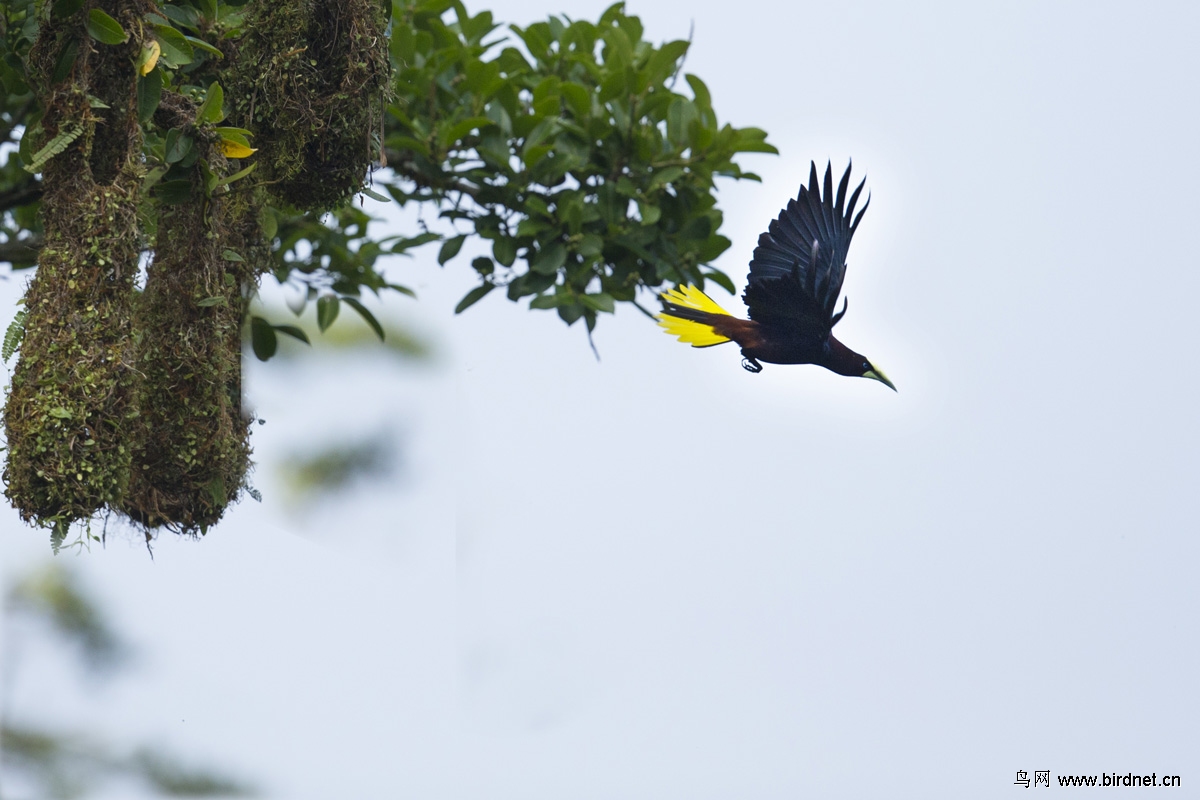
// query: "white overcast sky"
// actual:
[[659, 576]]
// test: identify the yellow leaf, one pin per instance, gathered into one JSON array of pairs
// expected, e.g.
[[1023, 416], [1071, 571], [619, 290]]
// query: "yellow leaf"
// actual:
[[232, 149], [148, 58]]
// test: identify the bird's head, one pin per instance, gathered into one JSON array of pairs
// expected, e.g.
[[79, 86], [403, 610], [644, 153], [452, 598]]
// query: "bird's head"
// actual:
[[869, 370], [844, 361]]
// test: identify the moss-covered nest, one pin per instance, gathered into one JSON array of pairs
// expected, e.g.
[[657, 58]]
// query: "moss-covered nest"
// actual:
[[310, 82], [73, 386], [190, 440]]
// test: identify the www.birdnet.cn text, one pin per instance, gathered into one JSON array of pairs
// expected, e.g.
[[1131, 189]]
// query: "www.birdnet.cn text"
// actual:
[[1043, 777]]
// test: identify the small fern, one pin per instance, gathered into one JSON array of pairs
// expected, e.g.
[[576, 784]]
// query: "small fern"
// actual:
[[55, 146], [14, 335]]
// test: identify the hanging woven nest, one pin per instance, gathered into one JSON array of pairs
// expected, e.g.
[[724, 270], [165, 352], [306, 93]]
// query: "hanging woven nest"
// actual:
[[310, 82], [190, 440], [73, 385]]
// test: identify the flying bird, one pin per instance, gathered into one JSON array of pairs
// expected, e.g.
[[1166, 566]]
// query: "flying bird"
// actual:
[[791, 292]]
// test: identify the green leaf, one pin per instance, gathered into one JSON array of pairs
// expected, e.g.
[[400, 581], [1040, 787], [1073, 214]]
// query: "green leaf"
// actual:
[[294, 332], [374, 195], [14, 335], [544, 301], [697, 228], [713, 246], [59, 413], [612, 86], [216, 492], [65, 8], [550, 259], [327, 310], [579, 99], [241, 173], [599, 302], [176, 49], [403, 45], [530, 227], [149, 93], [752, 140], [662, 64], [367, 316], [104, 28], [231, 255], [268, 220], [62, 68], [650, 214], [200, 44], [211, 110], [474, 296], [680, 115], [540, 133], [178, 146], [208, 302], [592, 245], [32, 131], [666, 175], [183, 15], [505, 250], [69, 133], [404, 245], [570, 312], [721, 279], [59, 535], [700, 90], [262, 338], [460, 129], [530, 283], [450, 249], [239, 135], [174, 192]]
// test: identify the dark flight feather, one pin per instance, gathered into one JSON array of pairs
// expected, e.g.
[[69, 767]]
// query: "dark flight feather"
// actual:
[[800, 262], [788, 308]]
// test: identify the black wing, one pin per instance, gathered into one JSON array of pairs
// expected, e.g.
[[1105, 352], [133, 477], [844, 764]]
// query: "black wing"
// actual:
[[800, 261], [786, 308]]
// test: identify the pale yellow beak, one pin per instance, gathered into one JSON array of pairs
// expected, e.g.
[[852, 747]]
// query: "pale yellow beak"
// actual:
[[876, 374]]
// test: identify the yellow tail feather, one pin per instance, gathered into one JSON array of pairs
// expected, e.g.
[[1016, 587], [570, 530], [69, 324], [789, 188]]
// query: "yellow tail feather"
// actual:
[[697, 334]]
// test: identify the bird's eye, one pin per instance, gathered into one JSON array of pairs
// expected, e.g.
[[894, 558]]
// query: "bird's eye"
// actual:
[[866, 366]]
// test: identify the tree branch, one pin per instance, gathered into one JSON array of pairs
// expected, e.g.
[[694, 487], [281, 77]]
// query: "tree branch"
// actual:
[[20, 251], [402, 163], [25, 192], [16, 117]]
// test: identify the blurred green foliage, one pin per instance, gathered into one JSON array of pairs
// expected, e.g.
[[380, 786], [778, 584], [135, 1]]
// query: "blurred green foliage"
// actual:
[[54, 596], [40, 762], [331, 469]]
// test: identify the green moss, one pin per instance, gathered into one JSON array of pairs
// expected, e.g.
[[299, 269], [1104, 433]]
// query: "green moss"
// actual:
[[112, 80], [309, 81], [190, 440], [72, 387]]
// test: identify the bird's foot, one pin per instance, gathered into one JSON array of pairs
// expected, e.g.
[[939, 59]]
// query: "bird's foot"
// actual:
[[750, 365]]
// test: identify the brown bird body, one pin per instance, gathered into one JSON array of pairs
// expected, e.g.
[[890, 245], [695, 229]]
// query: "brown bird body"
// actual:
[[791, 292]]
